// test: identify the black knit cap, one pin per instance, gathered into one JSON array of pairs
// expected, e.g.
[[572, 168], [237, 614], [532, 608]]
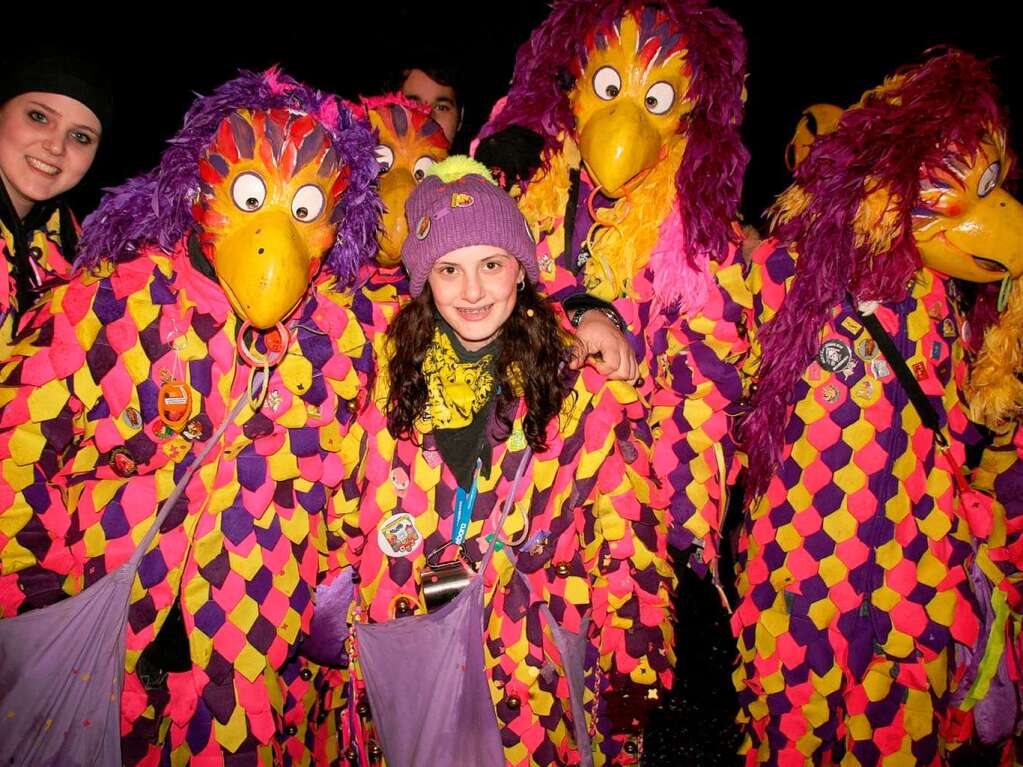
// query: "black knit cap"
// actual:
[[68, 74]]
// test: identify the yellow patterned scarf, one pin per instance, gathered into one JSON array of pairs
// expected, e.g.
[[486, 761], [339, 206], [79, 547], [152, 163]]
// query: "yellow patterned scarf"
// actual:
[[456, 390]]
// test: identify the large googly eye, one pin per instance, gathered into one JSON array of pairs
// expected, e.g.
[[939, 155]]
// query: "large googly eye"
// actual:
[[248, 191], [989, 180], [607, 83], [422, 167], [307, 203], [659, 98], [385, 156]]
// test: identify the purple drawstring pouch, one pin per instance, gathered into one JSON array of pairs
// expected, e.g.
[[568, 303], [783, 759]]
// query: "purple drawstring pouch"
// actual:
[[62, 666], [572, 647], [986, 687], [329, 628], [426, 680], [427, 684]]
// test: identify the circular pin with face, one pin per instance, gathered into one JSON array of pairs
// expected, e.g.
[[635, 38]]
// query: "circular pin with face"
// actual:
[[122, 462], [866, 349], [830, 393], [399, 536], [163, 431], [399, 479], [423, 228], [132, 418], [834, 355], [196, 430]]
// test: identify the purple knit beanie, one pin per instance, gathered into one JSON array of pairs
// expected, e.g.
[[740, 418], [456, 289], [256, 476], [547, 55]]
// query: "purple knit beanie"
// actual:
[[457, 205]]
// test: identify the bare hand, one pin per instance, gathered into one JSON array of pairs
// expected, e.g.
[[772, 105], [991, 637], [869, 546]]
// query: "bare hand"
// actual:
[[599, 340]]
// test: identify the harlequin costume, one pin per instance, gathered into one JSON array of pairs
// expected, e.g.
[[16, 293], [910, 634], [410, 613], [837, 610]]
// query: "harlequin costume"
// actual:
[[43, 237], [585, 542], [409, 143], [854, 594], [995, 395], [195, 294], [639, 106]]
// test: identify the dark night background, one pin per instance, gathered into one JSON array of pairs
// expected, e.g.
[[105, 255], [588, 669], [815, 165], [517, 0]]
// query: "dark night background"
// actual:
[[800, 53]]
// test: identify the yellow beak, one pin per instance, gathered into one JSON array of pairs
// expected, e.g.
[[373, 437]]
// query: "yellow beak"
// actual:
[[395, 188], [983, 246], [618, 143], [264, 267]]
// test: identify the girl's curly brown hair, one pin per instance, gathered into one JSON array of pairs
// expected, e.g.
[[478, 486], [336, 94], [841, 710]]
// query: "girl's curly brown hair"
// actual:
[[532, 344]]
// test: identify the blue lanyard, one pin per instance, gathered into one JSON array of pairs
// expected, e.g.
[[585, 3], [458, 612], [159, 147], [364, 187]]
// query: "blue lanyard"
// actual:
[[464, 503]]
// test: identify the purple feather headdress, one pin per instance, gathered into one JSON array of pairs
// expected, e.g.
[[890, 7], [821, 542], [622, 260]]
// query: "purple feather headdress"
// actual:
[[914, 121], [709, 179], [156, 207]]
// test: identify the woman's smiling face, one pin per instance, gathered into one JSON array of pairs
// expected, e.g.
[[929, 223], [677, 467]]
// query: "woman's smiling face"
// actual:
[[47, 143], [475, 289]]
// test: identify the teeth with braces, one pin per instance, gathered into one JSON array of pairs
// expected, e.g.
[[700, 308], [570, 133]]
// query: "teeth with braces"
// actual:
[[471, 313]]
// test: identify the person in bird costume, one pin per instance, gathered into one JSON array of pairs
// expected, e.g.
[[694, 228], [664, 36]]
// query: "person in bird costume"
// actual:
[[855, 598], [638, 105], [409, 143], [479, 438], [195, 295], [995, 395]]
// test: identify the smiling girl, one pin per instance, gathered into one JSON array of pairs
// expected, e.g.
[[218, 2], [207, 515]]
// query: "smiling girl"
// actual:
[[488, 469], [52, 113]]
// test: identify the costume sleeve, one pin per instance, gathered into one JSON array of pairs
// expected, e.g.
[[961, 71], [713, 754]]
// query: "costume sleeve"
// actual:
[[1000, 474], [697, 390], [625, 550], [345, 530], [46, 390]]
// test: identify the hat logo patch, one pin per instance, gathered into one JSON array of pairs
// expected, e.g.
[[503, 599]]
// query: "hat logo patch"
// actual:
[[462, 200]]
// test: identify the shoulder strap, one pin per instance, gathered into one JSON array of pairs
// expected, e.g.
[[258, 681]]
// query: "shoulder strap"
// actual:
[[509, 502], [922, 405]]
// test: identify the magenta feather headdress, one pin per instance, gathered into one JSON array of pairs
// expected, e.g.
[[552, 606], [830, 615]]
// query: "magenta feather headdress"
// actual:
[[156, 207], [709, 179], [948, 103]]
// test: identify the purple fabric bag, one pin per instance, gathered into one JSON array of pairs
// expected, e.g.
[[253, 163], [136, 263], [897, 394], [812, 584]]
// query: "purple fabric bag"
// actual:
[[996, 704], [572, 647], [427, 686], [426, 681], [329, 628], [62, 666]]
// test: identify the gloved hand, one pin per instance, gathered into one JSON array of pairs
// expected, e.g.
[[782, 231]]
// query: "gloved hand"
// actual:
[[513, 154]]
